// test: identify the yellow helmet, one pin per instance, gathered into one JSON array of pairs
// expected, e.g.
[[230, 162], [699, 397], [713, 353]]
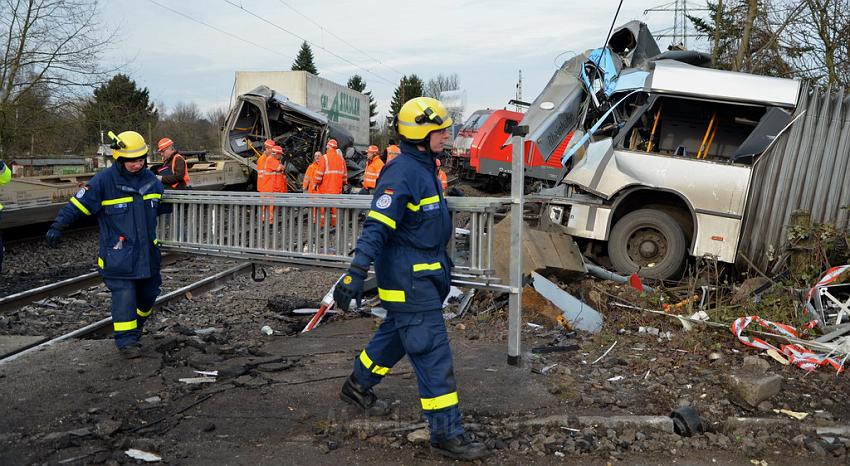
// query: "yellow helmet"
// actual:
[[419, 117], [128, 145]]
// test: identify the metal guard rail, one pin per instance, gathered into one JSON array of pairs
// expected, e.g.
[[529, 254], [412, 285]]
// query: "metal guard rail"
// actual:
[[292, 229]]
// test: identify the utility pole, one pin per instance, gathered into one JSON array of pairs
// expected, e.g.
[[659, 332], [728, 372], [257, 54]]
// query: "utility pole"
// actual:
[[680, 21], [519, 90]]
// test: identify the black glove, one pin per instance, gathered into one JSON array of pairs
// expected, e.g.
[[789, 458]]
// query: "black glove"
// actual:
[[53, 235], [2, 166], [350, 287]]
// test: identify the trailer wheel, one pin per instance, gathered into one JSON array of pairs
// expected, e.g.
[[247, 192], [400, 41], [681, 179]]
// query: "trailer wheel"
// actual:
[[649, 242]]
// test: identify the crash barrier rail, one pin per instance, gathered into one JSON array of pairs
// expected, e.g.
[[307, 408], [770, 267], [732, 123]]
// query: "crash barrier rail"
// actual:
[[300, 229]]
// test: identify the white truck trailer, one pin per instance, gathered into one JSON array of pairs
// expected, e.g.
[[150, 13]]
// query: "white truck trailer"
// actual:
[[339, 104]]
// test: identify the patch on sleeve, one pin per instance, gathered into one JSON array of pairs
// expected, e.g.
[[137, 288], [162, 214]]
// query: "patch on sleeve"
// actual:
[[384, 201], [389, 191], [81, 193]]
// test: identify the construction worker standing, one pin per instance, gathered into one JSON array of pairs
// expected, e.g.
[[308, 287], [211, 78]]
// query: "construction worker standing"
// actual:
[[405, 234], [374, 165], [125, 199], [392, 152], [444, 179], [271, 176], [331, 175], [309, 183], [173, 173], [278, 170], [267, 151], [5, 177]]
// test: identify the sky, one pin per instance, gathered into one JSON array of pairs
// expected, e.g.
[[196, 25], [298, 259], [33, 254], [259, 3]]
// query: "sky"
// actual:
[[189, 50]]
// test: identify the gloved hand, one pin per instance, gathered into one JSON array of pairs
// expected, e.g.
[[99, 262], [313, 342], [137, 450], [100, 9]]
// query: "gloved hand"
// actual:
[[350, 287], [53, 235], [2, 166]]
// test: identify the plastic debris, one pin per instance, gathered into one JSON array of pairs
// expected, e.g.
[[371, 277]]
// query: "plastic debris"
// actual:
[[197, 380], [143, 455], [796, 415], [577, 313], [616, 378], [207, 373], [796, 353], [267, 330], [778, 357], [311, 311], [606, 274]]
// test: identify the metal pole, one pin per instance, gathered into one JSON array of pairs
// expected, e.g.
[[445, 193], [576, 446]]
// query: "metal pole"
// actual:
[[515, 298]]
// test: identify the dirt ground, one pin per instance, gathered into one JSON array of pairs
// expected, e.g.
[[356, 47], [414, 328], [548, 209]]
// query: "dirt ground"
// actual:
[[275, 399]]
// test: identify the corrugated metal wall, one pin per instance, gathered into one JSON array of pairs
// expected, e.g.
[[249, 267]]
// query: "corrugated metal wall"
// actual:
[[809, 168]]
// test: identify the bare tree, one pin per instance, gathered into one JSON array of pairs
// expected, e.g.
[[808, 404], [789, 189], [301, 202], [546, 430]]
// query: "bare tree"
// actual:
[[186, 112], [441, 83], [51, 47], [744, 47], [819, 42]]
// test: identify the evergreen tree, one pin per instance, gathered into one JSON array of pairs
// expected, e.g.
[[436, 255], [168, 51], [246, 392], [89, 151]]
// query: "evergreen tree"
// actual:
[[356, 83], [119, 105], [408, 88], [304, 60]]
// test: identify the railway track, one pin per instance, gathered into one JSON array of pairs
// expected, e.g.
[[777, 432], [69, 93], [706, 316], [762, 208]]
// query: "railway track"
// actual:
[[12, 303], [61, 288]]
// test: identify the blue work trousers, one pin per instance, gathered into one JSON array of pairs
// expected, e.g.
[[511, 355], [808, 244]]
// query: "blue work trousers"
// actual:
[[423, 338], [132, 303]]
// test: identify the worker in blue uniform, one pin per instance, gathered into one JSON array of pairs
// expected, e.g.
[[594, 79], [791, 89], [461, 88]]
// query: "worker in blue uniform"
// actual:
[[5, 177], [405, 234], [126, 200]]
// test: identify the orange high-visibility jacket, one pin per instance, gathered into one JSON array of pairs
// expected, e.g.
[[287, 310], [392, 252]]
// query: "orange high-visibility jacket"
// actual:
[[270, 176], [331, 173], [177, 176], [373, 169], [309, 183], [444, 180]]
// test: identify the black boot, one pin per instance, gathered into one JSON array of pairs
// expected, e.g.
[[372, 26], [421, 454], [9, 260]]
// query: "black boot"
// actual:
[[365, 399], [131, 351], [463, 447]]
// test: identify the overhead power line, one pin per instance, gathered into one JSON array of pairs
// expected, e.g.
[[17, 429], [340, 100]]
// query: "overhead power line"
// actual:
[[341, 39], [234, 36], [307, 41]]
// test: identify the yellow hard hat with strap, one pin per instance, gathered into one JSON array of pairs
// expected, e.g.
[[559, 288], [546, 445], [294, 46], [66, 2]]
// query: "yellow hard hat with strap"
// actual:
[[421, 116], [128, 145]]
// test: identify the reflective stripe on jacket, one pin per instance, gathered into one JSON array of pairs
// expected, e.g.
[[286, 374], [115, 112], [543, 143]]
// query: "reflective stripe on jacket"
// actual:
[[406, 233], [309, 183], [5, 177], [373, 170], [270, 176], [331, 174], [126, 207], [171, 173]]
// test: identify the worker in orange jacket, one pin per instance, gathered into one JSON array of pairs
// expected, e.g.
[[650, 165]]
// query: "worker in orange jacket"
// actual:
[[392, 152], [374, 165], [174, 173], [267, 152], [444, 180], [309, 183], [271, 178], [331, 175]]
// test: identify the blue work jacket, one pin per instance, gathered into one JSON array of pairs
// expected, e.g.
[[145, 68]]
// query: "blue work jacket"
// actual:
[[406, 233], [126, 206]]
